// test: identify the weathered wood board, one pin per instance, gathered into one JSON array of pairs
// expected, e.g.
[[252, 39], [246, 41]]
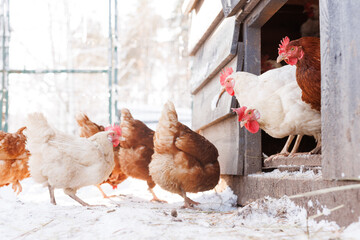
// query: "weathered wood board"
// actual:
[[300, 190], [205, 111], [247, 9], [216, 52], [340, 85], [225, 136], [232, 7], [263, 11], [204, 20], [296, 160]]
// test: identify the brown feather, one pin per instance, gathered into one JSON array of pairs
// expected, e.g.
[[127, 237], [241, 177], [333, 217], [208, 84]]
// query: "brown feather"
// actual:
[[308, 70], [137, 147], [14, 159], [183, 159]]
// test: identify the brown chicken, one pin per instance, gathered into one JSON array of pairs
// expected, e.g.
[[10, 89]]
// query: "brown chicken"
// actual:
[[14, 159], [136, 149], [305, 54], [89, 128], [184, 161]]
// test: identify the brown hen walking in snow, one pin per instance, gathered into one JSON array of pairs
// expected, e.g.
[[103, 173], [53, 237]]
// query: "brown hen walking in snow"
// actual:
[[184, 161]]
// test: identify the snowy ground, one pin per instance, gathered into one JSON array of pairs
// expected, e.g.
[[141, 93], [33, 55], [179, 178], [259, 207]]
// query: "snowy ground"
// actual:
[[131, 215]]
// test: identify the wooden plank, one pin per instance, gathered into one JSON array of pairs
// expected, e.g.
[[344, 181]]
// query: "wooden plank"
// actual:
[[296, 160], [232, 7], [205, 113], [252, 148], [247, 9], [289, 168], [218, 50], [263, 12], [224, 135], [203, 23], [340, 110], [250, 188]]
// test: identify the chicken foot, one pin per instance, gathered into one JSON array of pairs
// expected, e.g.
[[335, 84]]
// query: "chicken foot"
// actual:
[[284, 151], [71, 193], [52, 196], [188, 203], [16, 186], [155, 198], [103, 193], [317, 149]]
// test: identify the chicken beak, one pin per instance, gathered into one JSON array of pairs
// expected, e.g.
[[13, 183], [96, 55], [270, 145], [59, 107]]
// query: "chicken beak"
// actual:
[[242, 123], [280, 58], [220, 94]]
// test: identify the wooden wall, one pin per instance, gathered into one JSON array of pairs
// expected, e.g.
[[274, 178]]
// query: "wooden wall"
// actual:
[[340, 114]]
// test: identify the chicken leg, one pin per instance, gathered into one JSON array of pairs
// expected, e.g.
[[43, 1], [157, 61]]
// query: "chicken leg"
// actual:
[[296, 145], [317, 149], [188, 203], [71, 193], [151, 185], [155, 198], [52, 196], [103, 193], [285, 149], [16, 186]]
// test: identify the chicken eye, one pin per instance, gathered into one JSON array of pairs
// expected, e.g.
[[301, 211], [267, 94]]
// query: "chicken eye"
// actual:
[[292, 49]]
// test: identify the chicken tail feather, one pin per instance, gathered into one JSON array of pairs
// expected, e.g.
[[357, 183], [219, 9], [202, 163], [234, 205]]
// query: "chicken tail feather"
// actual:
[[167, 127], [38, 129]]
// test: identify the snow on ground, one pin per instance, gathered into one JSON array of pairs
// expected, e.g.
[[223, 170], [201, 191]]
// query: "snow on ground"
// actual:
[[290, 175], [130, 215]]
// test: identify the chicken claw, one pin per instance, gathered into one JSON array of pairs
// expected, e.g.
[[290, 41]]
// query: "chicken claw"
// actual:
[[17, 187], [155, 198]]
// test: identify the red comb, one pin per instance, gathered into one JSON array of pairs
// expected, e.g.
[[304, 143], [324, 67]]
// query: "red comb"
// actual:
[[115, 128], [284, 42], [224, 74], [240, 112]]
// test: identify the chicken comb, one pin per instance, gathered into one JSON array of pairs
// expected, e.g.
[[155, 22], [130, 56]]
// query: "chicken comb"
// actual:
[[224, 74], [115, 128], [284, 42]]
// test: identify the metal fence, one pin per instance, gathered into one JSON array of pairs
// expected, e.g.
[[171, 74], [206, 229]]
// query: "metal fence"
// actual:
[[112, 69]]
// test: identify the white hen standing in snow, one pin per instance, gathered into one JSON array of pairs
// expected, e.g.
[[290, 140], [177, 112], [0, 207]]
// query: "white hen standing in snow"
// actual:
[[273, 102], [60, 160]]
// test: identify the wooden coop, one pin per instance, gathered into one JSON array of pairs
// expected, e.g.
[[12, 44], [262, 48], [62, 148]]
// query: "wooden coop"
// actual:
[[237, 34]]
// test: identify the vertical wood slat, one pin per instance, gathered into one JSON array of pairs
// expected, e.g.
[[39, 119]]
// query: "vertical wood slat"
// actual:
[[340, 109], [263, 11], [251, 142]]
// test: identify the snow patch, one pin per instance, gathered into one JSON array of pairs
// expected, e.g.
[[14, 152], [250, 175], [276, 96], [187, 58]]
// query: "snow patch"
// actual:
[[310, 204], [289, 175]]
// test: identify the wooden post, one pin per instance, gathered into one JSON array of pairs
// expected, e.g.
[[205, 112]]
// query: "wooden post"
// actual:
[[340, 86], [252, 63], [251, 142]]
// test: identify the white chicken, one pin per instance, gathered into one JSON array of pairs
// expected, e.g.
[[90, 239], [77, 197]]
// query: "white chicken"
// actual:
[[60, 160], [272, 101]]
